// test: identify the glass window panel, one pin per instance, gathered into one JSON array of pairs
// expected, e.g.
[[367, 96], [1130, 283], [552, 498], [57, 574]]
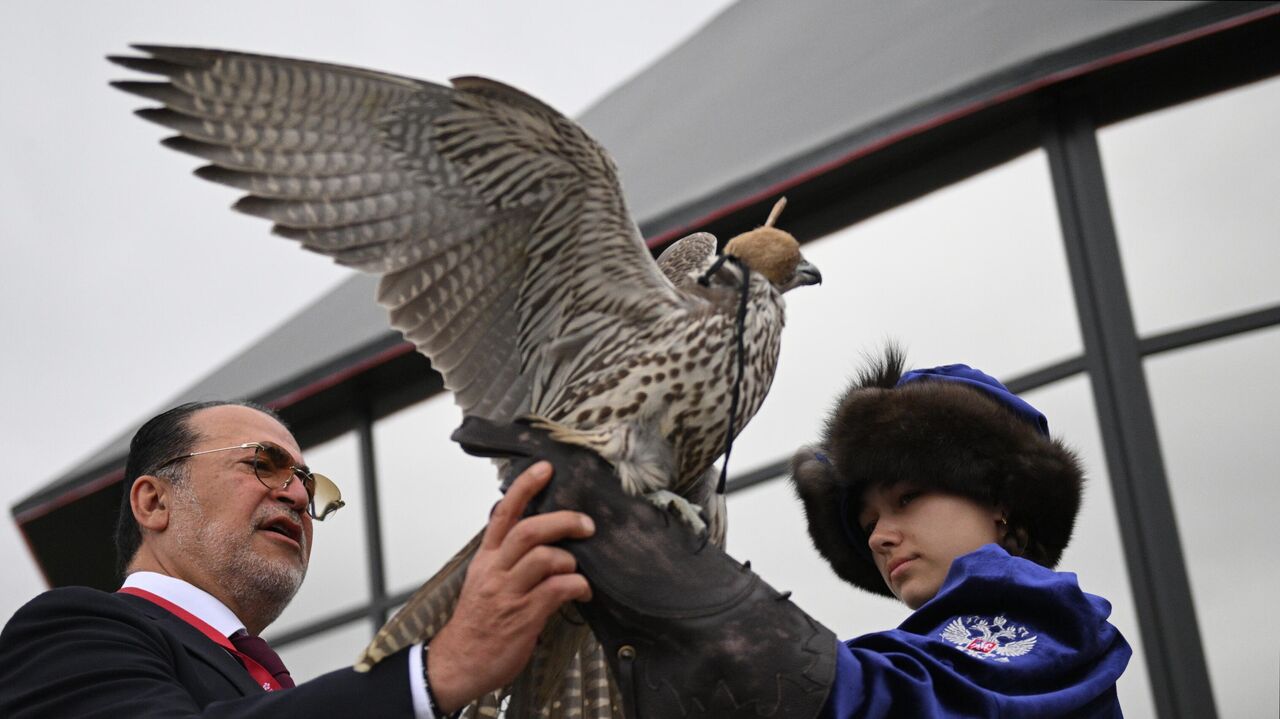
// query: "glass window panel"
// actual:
[[326, 652], [975, 272], [1217, 407], [433, 496], [1193, 193], [1096, 551], [338, 575]]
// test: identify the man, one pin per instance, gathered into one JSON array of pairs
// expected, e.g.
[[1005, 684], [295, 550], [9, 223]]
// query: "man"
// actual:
[[215, 536]]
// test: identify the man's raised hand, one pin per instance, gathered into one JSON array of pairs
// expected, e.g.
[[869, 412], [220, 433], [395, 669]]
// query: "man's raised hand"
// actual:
[[514, 584]]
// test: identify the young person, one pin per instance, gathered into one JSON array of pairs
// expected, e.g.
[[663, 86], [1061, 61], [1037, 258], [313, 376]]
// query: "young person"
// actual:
[[943, 489], [215, 536]]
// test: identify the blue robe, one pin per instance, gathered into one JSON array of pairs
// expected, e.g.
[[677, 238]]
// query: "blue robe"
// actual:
[[1004, 637]]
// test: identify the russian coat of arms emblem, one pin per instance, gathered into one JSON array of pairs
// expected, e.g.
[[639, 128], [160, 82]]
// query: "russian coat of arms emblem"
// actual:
[[995, 639]]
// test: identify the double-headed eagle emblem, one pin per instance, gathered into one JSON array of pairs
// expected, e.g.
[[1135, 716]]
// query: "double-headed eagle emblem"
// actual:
[[994, 639]]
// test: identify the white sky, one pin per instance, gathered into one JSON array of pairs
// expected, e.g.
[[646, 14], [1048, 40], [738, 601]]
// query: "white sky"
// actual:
[[124, 280]]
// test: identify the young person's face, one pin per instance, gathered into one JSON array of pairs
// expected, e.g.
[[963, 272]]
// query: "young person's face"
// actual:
[[914, 536]]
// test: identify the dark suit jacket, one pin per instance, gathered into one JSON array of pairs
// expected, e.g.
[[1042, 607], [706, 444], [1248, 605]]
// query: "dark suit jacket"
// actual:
[[78, 652]]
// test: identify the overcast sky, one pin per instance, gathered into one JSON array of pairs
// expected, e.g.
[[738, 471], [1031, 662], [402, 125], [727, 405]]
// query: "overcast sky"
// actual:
[[124, 280]]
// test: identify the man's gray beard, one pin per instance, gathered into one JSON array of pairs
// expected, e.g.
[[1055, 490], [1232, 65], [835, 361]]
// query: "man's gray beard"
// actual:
[[253, 580]]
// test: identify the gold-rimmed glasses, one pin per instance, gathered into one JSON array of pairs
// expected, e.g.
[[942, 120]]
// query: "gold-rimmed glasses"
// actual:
[[274, 468]]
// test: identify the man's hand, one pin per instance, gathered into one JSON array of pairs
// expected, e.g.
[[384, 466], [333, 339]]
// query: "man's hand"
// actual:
[[514, 584]]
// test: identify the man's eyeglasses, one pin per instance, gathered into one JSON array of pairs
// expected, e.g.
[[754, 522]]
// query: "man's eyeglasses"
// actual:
[[274, 468]]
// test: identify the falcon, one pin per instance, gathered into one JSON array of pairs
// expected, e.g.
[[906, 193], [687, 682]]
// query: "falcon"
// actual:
[[508, 257]]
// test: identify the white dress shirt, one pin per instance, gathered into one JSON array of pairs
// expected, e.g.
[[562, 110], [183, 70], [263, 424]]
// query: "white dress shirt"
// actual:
[[209, 610]]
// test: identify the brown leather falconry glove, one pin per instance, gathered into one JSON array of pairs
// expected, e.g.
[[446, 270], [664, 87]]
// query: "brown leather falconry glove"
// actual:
[[688, 631]]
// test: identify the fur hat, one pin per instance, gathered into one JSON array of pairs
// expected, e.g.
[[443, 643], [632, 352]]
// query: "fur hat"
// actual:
[[952, 429]]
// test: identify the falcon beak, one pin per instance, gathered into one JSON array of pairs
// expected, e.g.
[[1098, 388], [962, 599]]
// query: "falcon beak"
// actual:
[[806, 274]]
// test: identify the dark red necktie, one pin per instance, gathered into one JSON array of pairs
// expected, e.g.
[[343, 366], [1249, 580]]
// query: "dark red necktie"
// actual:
[[261, 652]]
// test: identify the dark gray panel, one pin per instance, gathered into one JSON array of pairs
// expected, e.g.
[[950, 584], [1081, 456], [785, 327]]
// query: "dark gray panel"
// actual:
[[339, 322], [767, 82]]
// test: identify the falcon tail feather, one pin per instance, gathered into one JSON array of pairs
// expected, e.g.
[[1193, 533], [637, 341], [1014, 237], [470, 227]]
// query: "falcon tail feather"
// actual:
[[425, 612]]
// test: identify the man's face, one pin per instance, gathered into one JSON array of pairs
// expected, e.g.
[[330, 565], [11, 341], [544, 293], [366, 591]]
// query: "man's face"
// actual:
[[914, 536], [234, 536]]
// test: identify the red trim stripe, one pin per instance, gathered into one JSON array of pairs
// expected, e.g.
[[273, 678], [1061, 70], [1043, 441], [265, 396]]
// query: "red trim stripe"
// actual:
[[341, 375], [964, 111], [326, 382], [71, 495]]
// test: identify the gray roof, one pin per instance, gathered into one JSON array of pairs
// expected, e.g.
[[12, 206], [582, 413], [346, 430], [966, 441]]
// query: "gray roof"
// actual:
[[770, 90], [345, 320], [765, 94]]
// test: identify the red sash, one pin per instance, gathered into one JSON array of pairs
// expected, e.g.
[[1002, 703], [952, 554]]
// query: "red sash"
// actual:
[[256, 670]]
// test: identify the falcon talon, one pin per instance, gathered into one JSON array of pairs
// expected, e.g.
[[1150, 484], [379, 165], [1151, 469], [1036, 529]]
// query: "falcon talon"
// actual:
[[679, 507]]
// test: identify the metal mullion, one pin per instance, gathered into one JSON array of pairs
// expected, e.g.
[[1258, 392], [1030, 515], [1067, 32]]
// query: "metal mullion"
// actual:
[[1228, 327], [1046, 375], [377, 611], [398, 598], [773, 470], [1157, 571], [318, 626]]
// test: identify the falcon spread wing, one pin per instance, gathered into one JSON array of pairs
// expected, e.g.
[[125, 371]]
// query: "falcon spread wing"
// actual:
[[473, 202], [508, 257], [685, 260]]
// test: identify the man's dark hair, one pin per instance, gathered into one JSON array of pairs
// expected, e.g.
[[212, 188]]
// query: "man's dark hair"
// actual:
[[163, 437]]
